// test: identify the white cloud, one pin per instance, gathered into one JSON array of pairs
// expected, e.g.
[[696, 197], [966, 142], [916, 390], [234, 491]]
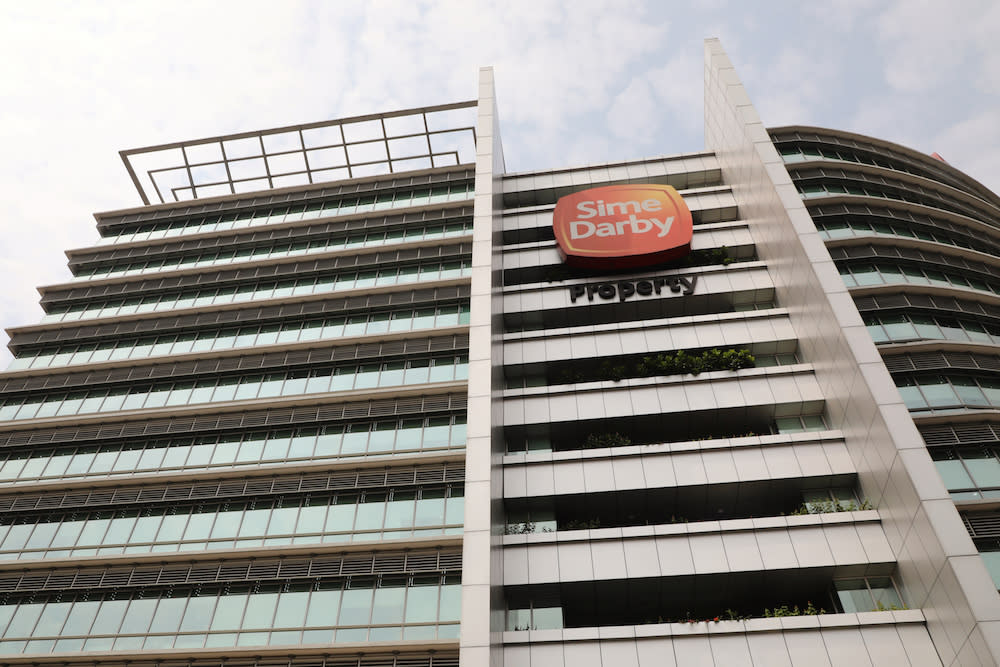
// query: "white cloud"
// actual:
[[82, 80], [667, 95], [965, 141], [928, 42]]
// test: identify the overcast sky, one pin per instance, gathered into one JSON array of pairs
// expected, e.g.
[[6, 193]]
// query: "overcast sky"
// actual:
[[577, 82]]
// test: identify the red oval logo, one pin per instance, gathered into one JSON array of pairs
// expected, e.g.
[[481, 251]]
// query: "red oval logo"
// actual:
[[622, 226]]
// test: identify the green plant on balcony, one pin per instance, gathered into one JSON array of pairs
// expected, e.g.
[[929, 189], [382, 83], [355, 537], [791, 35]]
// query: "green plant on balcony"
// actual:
[[681, 362], [784, 610], [524, 528], [595, 440], [827, 506]]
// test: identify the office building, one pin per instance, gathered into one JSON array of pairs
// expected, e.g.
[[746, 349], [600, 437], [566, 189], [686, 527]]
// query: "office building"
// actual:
[[334, 396]]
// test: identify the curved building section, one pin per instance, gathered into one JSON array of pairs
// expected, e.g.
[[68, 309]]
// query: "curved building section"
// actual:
[[918, 244]]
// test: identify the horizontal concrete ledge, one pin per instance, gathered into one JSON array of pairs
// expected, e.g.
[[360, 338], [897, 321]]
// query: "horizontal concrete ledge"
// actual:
[[779, 439], [694, 528], [427, 542], [707, 628], [684, 379], [642, 325], [281, 653]]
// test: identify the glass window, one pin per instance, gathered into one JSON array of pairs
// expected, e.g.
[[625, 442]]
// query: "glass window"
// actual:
[[951, 469], [24, 620], [430, 508], [926, 327], [81, 617], [853, 595], [120, 529], [168, 614], [139, 616], [42, 535], [938, 391], [340, 517], [952, 329], [356, 603], [254, 522], [312, 517], [399, 511], [260, 610], [451, 602], [292, 607], [866, 274], [146, 529], [898, 327], [229, 612], [227, 524], [982, 465], [991, 388], [109, 617], [910, 393], [323, 608], [52, 619], [388, 604], [172, 527], [884, 593], [992, 560], [199, 525], [422, 600]]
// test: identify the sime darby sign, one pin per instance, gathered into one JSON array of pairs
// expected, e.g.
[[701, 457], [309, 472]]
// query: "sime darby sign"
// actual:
[[622, 226]]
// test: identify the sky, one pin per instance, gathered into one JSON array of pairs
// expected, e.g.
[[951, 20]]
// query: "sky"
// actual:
[[577, 82]]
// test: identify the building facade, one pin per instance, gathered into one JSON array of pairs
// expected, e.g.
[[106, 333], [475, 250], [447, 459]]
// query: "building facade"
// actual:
[[336, 399]]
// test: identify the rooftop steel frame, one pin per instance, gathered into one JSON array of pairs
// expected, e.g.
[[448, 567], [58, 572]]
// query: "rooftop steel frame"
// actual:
[[384, 143]]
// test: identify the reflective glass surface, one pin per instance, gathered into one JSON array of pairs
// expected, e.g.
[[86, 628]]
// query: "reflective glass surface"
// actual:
[[389, 199], [251, 448], [871, 594], [258, 290], [906, 326], [880, 273], [357, 610], [233, 388], [360, 239], [930, 392], [793, 154], [896, 190], [992, 560], [328, 328], [969, 472], [363, 515], [830, 229]]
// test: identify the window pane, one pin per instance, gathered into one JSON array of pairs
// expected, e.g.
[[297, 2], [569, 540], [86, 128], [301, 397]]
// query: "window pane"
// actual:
[[969, 392], [292, 608], [81, 617], [323, 607], [853, 595], [139, 616], [52, 619], [229, 612], [24, 620], [388, 605], [260, 610], [356, 606], [168, 614], [983, 466], [954, 475], [198, 613], [421, 603]]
